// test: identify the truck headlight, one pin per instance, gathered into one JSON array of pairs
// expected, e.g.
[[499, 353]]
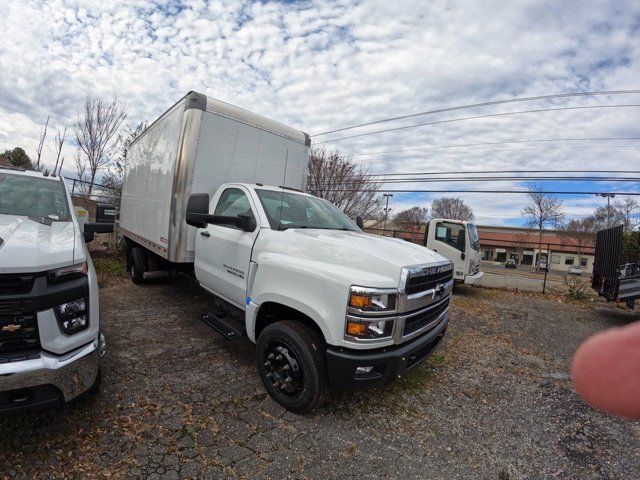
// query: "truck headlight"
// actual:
[[72, 316], [370, 313], [371, 300], [369, 329], [67, 273]]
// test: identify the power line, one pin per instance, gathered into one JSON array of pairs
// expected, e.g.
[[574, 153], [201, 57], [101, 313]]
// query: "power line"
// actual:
[[522, 192], [480, 152], [501, 179], [482, 104], [436, 147], [472, 172], [476, 117]]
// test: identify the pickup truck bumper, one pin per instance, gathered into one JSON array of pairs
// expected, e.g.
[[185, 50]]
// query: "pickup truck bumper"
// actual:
[[473, 279], [388, 363], [41, 380]]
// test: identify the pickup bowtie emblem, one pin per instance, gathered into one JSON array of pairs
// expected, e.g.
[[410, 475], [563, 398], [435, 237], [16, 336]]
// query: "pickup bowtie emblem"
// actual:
[[11, 328], [439, 288]]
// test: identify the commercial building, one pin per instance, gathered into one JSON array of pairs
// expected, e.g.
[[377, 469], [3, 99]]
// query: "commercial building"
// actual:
[[525, 246]]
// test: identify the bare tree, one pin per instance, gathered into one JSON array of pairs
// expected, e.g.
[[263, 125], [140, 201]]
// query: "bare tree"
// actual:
[[412, 217], [114, 175], [451, 207], [543, 210], [59, 142], [579, 234], [80, 188], [97, 134], [628, 212], [43, 135], [344, 183]]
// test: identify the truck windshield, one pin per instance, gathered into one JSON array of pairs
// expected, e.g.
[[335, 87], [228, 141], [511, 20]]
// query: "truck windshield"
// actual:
[[33, 197], [474, 240], [291, 210]]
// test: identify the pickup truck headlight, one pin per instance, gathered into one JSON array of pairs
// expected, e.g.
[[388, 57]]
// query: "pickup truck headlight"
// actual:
[[67, 273], [370, 313], [372, 300], [72, 316]]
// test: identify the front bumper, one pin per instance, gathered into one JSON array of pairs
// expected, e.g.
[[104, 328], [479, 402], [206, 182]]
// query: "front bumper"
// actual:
[[44, 378], [473, 279], [388, 363]]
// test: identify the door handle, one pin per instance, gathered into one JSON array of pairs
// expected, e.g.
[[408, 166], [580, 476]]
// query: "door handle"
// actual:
[[205, 234]]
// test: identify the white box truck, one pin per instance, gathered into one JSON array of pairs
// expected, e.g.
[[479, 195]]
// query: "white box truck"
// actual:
[[458, 241], [326, 304]]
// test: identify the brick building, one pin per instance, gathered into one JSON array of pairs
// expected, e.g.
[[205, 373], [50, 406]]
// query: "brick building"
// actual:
[[523, 245]]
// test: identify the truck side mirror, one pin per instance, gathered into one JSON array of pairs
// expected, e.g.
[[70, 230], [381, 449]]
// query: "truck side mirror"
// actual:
[[198, 210], [246, 222], [360, 222], [91, 228]]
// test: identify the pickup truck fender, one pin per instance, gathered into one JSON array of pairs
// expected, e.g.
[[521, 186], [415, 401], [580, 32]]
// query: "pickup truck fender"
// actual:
[[313, 290]]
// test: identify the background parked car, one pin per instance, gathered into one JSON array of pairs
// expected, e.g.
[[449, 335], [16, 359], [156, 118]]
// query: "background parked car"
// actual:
[[511, 263], [574, 270]]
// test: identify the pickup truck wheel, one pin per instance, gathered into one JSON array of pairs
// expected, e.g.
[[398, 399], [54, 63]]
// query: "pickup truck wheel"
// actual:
[[291, 362], [137, 266]]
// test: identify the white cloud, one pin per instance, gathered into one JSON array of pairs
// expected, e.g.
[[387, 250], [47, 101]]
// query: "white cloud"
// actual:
[[321, 65]]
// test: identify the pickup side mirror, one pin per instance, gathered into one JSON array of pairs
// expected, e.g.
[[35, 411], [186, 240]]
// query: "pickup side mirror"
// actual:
[[246, 222], [360, 222], [198, 210], [91, 228]]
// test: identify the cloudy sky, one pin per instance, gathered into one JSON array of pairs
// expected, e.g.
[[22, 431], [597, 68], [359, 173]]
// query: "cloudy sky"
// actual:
[[319, 66]]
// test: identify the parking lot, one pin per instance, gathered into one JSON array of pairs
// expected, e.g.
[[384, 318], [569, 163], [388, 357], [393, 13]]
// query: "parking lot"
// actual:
[[179, 401]]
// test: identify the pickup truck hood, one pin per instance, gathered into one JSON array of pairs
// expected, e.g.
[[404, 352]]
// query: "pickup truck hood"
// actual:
[[29, 246], [377, 260]]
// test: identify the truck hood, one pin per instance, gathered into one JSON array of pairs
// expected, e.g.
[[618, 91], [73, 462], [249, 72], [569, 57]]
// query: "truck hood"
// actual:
[[30, 246], [373, 259]]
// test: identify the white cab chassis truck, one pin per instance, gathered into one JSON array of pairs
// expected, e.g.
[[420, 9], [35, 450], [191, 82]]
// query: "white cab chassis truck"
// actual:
[[458, 242], [50, 340], [326, 304]]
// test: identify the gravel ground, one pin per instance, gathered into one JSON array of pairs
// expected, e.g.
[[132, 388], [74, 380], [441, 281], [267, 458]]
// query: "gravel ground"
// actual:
[[179, 401]]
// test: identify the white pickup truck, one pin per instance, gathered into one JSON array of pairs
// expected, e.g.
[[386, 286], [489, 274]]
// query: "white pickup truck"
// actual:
[[50, 340], [326, 304]]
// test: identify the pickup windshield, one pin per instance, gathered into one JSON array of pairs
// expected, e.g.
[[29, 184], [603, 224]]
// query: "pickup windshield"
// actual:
[[291, 210], [33, 197]]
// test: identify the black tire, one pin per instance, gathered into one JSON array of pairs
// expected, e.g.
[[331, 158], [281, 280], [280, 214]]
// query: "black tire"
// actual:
[[137, 265], [297, 345]]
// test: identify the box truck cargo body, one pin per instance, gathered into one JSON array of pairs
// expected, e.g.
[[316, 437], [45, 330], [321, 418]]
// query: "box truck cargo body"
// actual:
[[197, 145]]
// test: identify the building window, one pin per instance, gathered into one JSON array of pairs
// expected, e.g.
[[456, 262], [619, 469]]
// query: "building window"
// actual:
[[501, 256], [584, 261], [568, 261], [555, 258]]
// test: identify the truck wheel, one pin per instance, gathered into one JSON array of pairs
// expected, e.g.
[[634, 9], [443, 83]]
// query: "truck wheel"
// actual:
[[291, 362], [137, 265]]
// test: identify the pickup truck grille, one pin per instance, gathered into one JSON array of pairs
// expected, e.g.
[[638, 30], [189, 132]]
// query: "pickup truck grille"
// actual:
[[16, 284], [414, 323], [18, 328], [426, 280]]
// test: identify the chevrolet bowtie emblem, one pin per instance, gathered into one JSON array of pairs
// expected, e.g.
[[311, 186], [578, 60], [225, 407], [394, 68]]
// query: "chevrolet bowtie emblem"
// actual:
[[11, 328]]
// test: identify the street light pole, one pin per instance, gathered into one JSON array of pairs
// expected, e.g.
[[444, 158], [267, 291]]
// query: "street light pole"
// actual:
[[386, 212], [609, 196]]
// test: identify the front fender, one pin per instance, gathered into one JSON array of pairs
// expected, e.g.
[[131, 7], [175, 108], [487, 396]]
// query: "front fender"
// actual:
[[316, 292]]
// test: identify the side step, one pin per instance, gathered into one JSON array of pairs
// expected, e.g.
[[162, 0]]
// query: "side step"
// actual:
[[220, 325]]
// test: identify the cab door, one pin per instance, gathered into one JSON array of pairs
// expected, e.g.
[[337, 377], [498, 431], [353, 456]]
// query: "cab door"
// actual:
[[449, 240], [223, 252]]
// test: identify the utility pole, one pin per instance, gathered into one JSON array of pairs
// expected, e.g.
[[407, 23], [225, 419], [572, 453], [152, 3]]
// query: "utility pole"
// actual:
[[386, 212], [608, 196]]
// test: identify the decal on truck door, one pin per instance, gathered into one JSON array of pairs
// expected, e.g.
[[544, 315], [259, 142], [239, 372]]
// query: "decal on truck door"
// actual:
[[233, 271]]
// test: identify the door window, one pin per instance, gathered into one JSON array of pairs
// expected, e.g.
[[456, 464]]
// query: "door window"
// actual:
[[233, 202], [452, 234]]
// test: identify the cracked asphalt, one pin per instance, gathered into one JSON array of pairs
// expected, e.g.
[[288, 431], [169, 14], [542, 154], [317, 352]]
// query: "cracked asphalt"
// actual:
[[179, 401]]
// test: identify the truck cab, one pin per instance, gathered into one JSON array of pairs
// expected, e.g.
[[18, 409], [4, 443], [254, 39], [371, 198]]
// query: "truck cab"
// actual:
[[326, 303], [50, 340], [457, 241]]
